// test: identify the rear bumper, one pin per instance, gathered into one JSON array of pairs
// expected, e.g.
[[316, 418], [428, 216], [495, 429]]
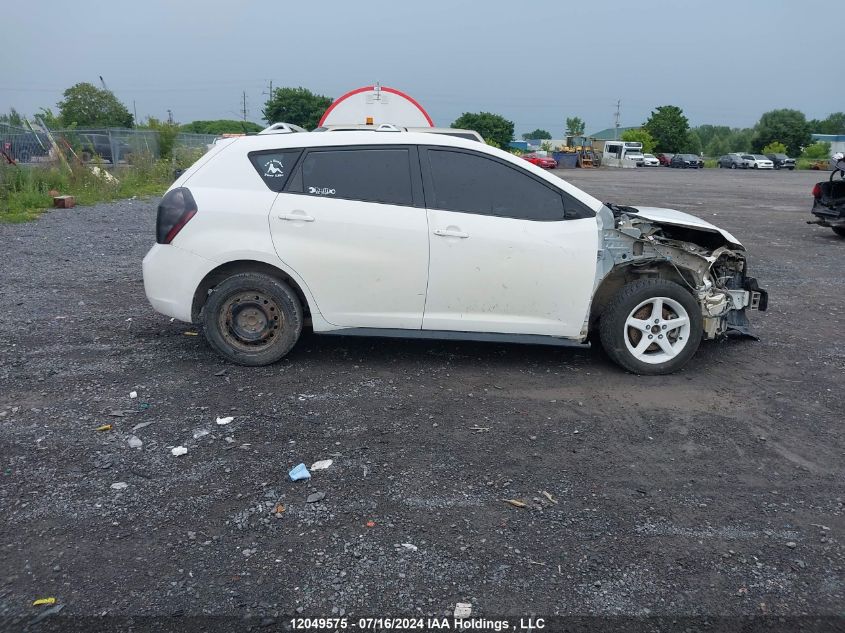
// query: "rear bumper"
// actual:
[[171, 277]]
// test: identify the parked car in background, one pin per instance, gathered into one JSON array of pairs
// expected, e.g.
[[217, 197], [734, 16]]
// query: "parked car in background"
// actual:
[[104, 146], [781, 161], [541, 161], [758, 161], [338, 232], [686, 161], [665, 159], [732, 161], [650, 160]]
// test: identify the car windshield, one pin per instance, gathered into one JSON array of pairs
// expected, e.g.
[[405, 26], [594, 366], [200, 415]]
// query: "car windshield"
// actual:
[[648, 155], [760, 157]]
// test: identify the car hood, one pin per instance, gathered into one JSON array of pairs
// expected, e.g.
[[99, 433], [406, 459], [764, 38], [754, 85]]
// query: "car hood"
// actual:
[[679, 218]]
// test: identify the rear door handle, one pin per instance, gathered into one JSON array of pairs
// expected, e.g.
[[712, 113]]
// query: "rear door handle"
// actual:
[[296, 217], [451, 233]]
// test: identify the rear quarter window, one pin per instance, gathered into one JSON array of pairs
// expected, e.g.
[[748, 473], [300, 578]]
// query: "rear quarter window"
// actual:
[[275, 166]]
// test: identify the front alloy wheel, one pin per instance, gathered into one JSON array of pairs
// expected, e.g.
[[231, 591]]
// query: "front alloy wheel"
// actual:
[[657, 330], [651, 326]]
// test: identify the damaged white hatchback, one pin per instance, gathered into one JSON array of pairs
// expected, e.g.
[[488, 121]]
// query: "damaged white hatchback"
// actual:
[[399, 234]]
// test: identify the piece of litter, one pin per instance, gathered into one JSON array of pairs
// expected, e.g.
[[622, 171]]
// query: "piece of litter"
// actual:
[[141, 425], [279, 508], [410, 546], [133, 394], [322, 464], [178, 450], [190, 334], [549, 497], [43, 601], [119, 485], [222, 421], [299, 472], [222, 372], [200, 433], [463, 610], [371, 524], [516, 503], [117, 414], [315, 497], [103, 427], [134, 442]]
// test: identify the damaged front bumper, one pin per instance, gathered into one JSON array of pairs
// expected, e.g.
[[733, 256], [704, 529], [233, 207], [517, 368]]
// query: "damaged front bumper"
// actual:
[[707, 260]]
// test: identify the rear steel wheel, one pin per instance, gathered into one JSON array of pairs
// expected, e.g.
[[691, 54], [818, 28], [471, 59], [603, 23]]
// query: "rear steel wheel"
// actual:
[[252, 319]]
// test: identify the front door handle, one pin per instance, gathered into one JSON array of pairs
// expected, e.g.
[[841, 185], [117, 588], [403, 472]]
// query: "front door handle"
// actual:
[[451, 233], [296, 217]]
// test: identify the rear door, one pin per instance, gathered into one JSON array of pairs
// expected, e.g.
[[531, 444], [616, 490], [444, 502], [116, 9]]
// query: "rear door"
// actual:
[[510, 253], [351, 222]]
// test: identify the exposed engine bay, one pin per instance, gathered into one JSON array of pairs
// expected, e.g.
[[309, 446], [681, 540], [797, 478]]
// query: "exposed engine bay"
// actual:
[[710, 262]]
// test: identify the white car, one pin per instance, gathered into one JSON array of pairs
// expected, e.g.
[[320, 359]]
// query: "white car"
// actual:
[[758, 161], [650, 160], [432, 236]]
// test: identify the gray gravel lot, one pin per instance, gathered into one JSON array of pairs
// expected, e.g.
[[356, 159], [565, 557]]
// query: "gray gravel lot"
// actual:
[[714, 491]]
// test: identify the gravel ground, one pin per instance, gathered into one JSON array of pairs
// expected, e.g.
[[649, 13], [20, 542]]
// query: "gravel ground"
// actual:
[[716, 491]]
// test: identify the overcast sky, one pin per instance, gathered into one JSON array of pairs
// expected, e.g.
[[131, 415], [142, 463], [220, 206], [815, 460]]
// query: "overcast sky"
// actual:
[[535, 62]]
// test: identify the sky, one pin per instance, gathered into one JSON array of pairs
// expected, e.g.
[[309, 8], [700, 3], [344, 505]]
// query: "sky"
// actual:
[[535, 62]]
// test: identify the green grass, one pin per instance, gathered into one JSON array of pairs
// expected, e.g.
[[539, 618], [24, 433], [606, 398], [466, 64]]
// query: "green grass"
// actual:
[[24, 190]]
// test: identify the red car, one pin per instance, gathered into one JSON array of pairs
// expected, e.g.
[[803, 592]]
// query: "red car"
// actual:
[[665, 159], [541, 161]]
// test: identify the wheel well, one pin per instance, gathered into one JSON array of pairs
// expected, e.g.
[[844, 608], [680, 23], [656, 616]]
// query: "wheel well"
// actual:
[[623, 275], [228, 269]]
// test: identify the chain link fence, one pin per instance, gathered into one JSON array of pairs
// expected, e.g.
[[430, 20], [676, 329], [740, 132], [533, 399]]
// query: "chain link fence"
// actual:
[[109, 145]]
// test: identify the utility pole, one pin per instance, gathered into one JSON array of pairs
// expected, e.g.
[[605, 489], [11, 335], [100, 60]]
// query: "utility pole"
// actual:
[[616, 126], [244, 106], [170, 117]]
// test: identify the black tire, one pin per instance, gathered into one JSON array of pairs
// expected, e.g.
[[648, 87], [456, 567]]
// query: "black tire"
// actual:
[[790, 168], [252, 319], [733, 165], [839, 230], [615, 332]]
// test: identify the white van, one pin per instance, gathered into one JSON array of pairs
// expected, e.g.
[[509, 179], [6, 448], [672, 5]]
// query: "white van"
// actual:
[[632, 150]]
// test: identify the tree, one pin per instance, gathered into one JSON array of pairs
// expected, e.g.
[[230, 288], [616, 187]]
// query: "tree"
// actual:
[[167, 133], [299, 106], [817, 151], [85, 105], [642, 136], [787, 126], [717, 146], [833, 124], [536, 134], [492, 127], [13, 118], [775, 147], [575, 126], [708, 132], [740, 140], [221, 126], [692, 144], [669, 128]]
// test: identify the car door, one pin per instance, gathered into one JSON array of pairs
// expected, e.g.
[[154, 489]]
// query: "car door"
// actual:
[[351, 222], [510, 253]]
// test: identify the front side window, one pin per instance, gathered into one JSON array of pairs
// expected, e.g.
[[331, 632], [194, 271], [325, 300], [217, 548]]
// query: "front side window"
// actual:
[[464, 181], [275, 166], [370, 175]]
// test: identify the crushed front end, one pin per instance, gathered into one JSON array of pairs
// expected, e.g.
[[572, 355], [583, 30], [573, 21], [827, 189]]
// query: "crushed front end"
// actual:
[[663, 243]]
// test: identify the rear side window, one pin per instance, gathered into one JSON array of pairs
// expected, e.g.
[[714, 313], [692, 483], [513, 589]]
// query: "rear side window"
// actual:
[[475, 184], [370, 175], [275, 166]]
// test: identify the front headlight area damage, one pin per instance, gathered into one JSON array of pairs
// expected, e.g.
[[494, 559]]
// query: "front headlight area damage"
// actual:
[[699, 258]]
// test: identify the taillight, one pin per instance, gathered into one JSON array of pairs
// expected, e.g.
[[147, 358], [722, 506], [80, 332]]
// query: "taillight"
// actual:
[[174, 211], [817, 190]]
